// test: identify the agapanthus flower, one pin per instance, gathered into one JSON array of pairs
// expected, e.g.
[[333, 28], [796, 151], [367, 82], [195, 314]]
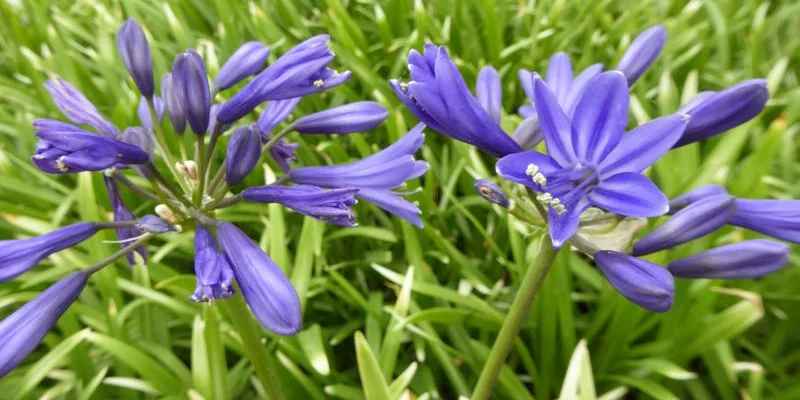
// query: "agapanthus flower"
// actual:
[[190, 87], [642, 282], [24, 329], [19, 255], [135, 52], [491, 192], [244, 151], [144, 111], [743, 260], [332, 205], [590, 161], [349, 118], [123, 213], [177, 117], [247, 60], [375, 176], [489, 92], [78, 108], [214, 274]]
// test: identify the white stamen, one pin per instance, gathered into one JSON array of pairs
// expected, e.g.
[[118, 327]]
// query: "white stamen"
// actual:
[[60, 165], [319, 83], [532, 170]]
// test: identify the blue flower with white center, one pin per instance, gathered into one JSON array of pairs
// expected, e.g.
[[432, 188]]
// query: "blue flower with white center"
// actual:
[[590, 160]]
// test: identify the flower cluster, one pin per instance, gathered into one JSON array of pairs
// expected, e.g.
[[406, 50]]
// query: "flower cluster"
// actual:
[[187, 193], [593, 171]]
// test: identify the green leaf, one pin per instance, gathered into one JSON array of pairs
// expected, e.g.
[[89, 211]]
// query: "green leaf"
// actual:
[[372, 380]]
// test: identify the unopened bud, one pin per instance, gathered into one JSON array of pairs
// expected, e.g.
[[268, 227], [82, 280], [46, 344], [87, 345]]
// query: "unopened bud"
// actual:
[[166, 213]]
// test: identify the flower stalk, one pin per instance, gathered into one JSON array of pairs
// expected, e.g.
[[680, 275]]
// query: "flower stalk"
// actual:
[[531, 282]]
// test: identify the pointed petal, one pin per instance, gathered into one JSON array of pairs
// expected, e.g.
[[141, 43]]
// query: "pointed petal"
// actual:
[[642, 282], [743, 260], [489, 92], [644, 145], [392, 203], [559, 76], [555, 125], [631, 195], [579, 86], [600, 117], [563, 227], [642, 53], [514, 167]]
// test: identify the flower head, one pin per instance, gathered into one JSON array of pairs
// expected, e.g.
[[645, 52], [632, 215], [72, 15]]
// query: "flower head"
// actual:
[[19, 255], [331, 205], [135, 54], [214, 274], [268, 292], [438, 96], [24, 329], [590, 160], [247, 60], [375, 176], [64, 148]]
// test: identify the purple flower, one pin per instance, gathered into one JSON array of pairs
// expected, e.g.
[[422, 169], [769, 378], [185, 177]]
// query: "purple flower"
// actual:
[[123, 213], [190, 86], [214, 274], [528, 133], [24, 329], [138, 137], [691, 222], [283, 153], [326, 205], [135, 54], [590, 161], [642, 282], [743, 260], [489, 92], [247, 60], [264, 286], [777, 218], [566, 88], [438, 96], [349, 118], [65, 148], [714, 113], [491, 192], [642, 53], [143, 111], [244, 151], [153, 224], [276, 112], [303, 70], [19, 255], [698, 194], [375, 176], [78, 108], [177, 116]]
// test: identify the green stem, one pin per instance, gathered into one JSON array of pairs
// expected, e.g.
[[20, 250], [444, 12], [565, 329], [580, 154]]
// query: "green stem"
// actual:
[[517, 314], [119, 254], [201, 167], [161, 140], [262, 360], [216, 354]]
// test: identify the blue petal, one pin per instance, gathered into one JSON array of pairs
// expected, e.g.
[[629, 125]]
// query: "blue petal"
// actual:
[[600, 117], [631, 195], [393, 203], [776, 218], [559, 76], [642, 53], [644, 145], [743, 260], [513, 167], [563, 227], [579, 86], [489, 92], [642, 282], [555, 125], [528, 133]]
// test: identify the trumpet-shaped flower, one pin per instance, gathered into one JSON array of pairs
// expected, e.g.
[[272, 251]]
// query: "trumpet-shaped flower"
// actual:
[[214, 274]]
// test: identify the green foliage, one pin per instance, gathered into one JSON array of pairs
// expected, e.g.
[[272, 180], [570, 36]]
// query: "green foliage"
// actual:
[[429, 302]]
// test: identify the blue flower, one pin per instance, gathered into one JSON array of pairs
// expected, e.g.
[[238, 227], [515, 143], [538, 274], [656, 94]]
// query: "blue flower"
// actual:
[[247, 60], [303, 70], [78, 108], [590, 160], [375, 176], [20, 255], [276, 112], [268, 292], [489, 92], [143, 111], [214, 274], [642, 282], [177, 116], [123, 213], [642, 53], [244, 151], [64, 148], [743, 260], [331, 205], [491, 192], [777, 218], [349, 118], [190, 87], [438, 96], [135, 54], [24, 329]]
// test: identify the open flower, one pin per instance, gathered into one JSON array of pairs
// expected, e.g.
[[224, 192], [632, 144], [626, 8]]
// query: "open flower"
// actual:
[[376, 175], [214, 274], [331, 205], [590, 160]]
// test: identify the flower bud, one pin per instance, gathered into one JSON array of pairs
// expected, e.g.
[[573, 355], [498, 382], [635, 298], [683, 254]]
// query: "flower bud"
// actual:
[[245, 61], [138, 137], [276, 112], [214, 275], [20, 255], [489, 91], [135, 54], [265, 288], [143, 111], [283, 153], [177, 117], [642, 53], [123, 213], [777, 218], [25, 328], [724, 110], [528, 133], [244, 151], [743, 260], [700, 193], [695, 220], [349, 118], [190, 85], [491, 192], [642, 282], [153, 224], [325, 205]]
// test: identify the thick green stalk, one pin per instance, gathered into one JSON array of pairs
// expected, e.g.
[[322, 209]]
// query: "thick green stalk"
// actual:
[[518, 312], [262, 360]]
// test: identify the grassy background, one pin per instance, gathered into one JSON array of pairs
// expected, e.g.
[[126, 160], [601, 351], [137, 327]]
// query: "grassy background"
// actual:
[[429, 302]]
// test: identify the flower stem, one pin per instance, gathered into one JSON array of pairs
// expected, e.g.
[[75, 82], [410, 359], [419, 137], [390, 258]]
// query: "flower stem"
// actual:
[[122, 252], [161, 140], [254, 350], [531, 282], [134, 187]]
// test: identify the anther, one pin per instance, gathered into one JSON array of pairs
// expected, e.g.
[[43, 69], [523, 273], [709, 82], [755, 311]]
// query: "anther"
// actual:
[[319, 83]]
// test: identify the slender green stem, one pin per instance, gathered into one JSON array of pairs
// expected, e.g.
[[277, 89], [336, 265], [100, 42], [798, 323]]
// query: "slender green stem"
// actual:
[[227, 202], [263, 362], [171, 189], [115, 224], [122, 252], [135, 188], [531, 282], [161, 140], [216, 354], [201, 167]]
